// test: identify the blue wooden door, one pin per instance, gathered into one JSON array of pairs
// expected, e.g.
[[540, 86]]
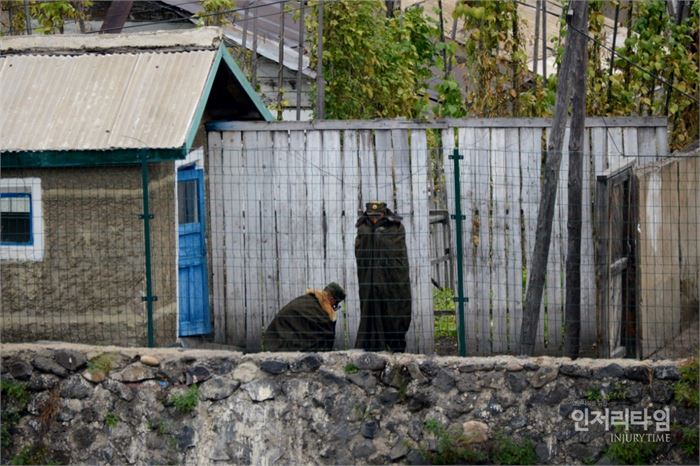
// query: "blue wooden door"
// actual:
[[192, 263]]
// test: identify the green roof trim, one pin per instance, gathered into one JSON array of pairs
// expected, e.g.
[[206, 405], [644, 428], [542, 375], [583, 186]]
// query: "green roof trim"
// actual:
[[88, 158], [223, 55], [247, 87]]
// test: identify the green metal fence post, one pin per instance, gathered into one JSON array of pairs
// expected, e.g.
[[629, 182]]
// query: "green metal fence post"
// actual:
[[146, 216], [458, 217]]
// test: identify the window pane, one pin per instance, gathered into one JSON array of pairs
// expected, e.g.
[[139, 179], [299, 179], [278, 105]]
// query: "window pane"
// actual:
[[187, 202], [15, 219]]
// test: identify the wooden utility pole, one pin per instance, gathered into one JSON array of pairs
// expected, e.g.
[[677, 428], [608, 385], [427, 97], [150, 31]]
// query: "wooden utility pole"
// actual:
[[320, 83], [572, 316], [575, 47]]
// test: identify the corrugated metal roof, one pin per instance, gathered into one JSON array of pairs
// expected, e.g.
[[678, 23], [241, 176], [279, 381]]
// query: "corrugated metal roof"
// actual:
[[100, 102]]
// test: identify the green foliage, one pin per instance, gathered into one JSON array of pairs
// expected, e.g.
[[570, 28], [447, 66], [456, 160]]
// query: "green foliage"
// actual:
[[508, 451], [33, 454], [633, 452], [111, 420], [374, 66], [159, 426], [688, 440], [446, 326], [593, 394], [443, 299], [215, 12], [14, 401], [351, 368], [102, 363], [687, 387], [186, 402], [496, 61], [52, 15], [451, 446]]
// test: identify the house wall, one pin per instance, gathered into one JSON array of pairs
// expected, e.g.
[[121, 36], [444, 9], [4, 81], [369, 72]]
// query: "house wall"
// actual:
[[90, 283]]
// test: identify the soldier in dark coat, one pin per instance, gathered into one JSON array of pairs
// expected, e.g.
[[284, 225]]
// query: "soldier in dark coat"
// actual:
[[384, 281], [306, 323]]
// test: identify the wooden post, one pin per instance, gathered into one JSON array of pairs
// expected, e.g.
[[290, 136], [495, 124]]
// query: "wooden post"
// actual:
[[545, 215], [300, 57], [442, 39], [537, 36], [27, 17], [572, 315], [254, 71], [544, 39], [280, 71], [320, 83]]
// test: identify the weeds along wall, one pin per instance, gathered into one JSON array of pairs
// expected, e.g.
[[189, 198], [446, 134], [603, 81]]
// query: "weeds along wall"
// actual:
[[71, 404]]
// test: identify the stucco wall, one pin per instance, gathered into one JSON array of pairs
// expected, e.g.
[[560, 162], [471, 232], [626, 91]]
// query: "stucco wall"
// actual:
[[333, 408], [90, 283]]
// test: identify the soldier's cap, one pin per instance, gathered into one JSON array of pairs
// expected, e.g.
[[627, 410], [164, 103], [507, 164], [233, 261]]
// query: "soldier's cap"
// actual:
[[336, 291], [375, 207]]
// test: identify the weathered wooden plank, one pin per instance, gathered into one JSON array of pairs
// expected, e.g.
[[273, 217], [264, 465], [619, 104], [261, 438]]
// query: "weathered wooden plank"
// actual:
[[514, 241], [255, 300], [384, 159], [283, 201], [480, 161], [630, 143], [587, 339], [268, 248], [661, 141], [530, 162], [234, 170], [351, 204], [689, 202], [368, 167], [615, 147], [422, 302], [298, 275], [499, 264], [314, 180], [591, 122], [646, 145], [403, 206], [216, 208], [333, 208]]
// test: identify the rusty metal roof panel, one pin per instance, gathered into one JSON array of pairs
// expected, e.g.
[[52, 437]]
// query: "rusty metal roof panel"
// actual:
[[100, 101]]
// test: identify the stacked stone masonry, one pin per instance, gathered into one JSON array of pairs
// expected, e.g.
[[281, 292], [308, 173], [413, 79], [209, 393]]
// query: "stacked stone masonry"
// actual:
[[109, 405]]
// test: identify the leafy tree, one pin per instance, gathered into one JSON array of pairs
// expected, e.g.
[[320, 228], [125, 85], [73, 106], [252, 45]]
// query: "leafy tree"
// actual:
[[374, 66], [215, 12], [52, 15]]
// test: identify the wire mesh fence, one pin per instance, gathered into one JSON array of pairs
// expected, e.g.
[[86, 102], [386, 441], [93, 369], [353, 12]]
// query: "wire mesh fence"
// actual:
[[244, 240]]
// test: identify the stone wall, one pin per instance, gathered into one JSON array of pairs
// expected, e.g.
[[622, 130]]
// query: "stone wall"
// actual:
[[90, 284], [111, 405]]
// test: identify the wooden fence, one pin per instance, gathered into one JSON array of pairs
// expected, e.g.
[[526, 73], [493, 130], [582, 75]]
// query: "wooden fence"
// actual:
[[500, 191], [668, 251], [284, 199], [441, 255]]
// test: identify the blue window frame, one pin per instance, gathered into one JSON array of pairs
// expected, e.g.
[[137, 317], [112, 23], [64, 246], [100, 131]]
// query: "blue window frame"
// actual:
[[16, 219]]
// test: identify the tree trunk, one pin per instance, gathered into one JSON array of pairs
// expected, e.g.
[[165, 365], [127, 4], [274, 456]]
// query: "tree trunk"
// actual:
[[545, 215], [572, 316]]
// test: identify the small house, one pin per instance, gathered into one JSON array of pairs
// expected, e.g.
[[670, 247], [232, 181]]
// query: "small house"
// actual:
[[103, 234]]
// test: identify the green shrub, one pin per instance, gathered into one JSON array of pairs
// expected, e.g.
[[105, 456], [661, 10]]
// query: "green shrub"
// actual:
[[351, 368], [443, 299], [687, 387], [635, 452], [186, 402], [508, 451], [451, 447], [102, 363], [111, 420]]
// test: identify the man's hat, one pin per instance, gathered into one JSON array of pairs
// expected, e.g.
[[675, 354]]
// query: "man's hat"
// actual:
[[375, 207], [335, 290]]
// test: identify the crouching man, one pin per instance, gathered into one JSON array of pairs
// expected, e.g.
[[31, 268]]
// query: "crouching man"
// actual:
[[306, 323]]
